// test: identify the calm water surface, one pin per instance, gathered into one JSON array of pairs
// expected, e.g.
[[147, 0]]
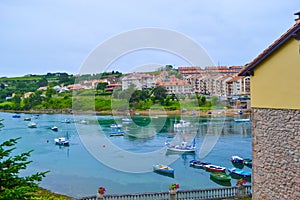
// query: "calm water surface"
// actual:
[[75, 172]]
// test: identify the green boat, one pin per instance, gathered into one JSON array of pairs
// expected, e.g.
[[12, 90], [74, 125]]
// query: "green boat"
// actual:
[[220, 176]]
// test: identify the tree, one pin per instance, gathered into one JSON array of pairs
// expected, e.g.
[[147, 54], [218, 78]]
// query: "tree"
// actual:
[[43, 82], [214, 100], [159, 93], [2, 86], [101, 86], [12, 185]]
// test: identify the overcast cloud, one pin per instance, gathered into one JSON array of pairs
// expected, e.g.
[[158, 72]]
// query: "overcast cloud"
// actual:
[[53, 35]]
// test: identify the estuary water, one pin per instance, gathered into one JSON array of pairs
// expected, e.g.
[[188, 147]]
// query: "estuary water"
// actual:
[[79, 169]]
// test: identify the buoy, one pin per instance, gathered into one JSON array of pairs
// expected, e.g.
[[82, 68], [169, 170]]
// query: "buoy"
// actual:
[[103, 145]]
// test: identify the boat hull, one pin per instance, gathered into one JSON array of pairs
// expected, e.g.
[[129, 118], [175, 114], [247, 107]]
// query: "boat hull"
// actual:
[[220, 176], [198, 164], [163, 169], [215, 168], [240, 173]]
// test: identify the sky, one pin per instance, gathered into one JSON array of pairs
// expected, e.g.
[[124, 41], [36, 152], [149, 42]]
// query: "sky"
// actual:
[[37, 37]]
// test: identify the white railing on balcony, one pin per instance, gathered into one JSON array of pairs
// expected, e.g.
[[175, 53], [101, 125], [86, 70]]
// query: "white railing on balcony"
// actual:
[[213, 193]]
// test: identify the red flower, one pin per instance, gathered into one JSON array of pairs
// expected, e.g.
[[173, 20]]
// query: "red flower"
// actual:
[[101, 190]]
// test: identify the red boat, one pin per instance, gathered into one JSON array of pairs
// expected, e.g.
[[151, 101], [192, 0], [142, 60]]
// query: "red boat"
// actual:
[[215, 168]]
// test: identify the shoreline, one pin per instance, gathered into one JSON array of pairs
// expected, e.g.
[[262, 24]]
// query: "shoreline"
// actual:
[[221, 113]]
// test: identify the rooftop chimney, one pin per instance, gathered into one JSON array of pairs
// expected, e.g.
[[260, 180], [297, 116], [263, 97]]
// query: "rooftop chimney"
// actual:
[[298, 19]]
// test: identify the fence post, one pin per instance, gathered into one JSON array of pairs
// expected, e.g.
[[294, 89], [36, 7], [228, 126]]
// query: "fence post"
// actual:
[[99, 196], [241, 191], [172, 194]]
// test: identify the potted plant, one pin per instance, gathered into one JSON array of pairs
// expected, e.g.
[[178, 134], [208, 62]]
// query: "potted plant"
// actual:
[[173, 188], [101, 192]]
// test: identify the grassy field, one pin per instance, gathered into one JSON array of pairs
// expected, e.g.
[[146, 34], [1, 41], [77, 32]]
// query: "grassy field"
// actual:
[[43, 194]]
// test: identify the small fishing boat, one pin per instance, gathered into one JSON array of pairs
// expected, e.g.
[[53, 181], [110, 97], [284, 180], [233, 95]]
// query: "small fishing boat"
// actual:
[[182, 124], [242, 120], [116, 126], [61, 141], [236, 159], [54, 128], [67, 121], [117, 133], [83, 121], [198, 164], [16, 116], [240, 173], [220, 176], [215, 168], [163, 169], [126, 120], [31, 125], [182, 148], [27, 119], [248, 162]]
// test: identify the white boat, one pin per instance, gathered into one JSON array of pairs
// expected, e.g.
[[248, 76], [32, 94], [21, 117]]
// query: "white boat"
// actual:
[[182, 148], [242, 120], [126, 120], [66, 121], [61, 141], [31, 125], [116, 126], [83, 122], [54, 128], [182, 124]]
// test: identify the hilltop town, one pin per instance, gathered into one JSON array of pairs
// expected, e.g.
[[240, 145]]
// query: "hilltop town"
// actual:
[[211, 87]]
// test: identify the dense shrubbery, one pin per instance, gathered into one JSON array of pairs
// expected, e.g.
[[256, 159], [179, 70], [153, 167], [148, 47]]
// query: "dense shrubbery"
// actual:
[[12, 185]]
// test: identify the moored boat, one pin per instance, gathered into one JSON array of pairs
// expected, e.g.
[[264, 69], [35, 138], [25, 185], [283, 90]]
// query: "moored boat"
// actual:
[[242, 120], [116, 126], [31, 125], [126, 120], [27, 119], [215, 168], [248, 162], [220, 176], [54, 128], [182, 148], [16, 116], [198, 164], [61, 141], [236, 159], [117, 133], [163, 169], [182, 124], [240, 173]]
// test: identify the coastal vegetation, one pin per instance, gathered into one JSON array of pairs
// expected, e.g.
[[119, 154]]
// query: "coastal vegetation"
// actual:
[[13, 93], [12, 185]]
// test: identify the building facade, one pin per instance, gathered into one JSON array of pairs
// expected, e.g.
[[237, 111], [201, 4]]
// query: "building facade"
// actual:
[[275, 100]]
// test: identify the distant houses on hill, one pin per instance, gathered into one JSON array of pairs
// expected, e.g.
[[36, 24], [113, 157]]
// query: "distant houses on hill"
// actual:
[[219, 81]]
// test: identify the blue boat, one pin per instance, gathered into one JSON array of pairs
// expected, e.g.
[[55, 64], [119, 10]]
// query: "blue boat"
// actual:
[[117, 133], [163, 169], [240, 173], [16, 116]]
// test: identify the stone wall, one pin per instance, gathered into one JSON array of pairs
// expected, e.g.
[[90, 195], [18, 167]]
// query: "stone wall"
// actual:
[[276, 155]]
